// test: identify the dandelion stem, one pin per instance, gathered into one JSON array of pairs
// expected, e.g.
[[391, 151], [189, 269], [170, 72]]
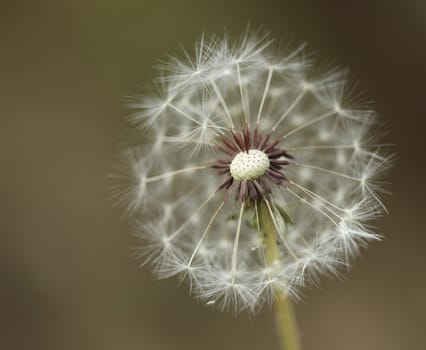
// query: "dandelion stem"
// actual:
[[286, 322]]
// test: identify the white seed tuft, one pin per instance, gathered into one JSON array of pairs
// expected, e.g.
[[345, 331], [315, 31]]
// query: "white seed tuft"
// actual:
[[321, 208]]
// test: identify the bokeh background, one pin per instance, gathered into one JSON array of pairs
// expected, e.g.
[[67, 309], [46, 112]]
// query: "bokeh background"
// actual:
[[67, 280]]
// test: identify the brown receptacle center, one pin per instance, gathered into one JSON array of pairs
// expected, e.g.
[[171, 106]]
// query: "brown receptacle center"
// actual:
[[253, 163]]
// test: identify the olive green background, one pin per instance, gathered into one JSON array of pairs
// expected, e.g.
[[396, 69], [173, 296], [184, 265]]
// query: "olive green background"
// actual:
[[67, 280]]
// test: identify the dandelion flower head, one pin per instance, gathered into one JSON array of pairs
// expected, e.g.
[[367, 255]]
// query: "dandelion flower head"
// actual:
[[237, 131]]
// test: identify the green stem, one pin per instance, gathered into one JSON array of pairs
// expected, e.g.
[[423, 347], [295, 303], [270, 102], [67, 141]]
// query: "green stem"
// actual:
[[286, 321]]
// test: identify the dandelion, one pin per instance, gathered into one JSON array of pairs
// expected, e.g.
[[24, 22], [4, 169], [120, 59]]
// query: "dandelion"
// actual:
[[258, 173]]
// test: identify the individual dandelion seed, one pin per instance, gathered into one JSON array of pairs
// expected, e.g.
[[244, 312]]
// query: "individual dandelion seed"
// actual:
[[258, 173]]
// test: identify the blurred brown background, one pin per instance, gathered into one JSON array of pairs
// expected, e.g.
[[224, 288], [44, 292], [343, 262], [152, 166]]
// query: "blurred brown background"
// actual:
[[66, 277]]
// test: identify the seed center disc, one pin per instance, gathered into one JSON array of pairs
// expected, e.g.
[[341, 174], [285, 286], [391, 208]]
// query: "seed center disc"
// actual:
[[249, 166]]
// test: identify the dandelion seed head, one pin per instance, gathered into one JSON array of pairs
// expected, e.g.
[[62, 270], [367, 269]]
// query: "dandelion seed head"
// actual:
[[235, 128]]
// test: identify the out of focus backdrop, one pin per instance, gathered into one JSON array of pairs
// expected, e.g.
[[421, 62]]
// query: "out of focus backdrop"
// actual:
[[67, 280]]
